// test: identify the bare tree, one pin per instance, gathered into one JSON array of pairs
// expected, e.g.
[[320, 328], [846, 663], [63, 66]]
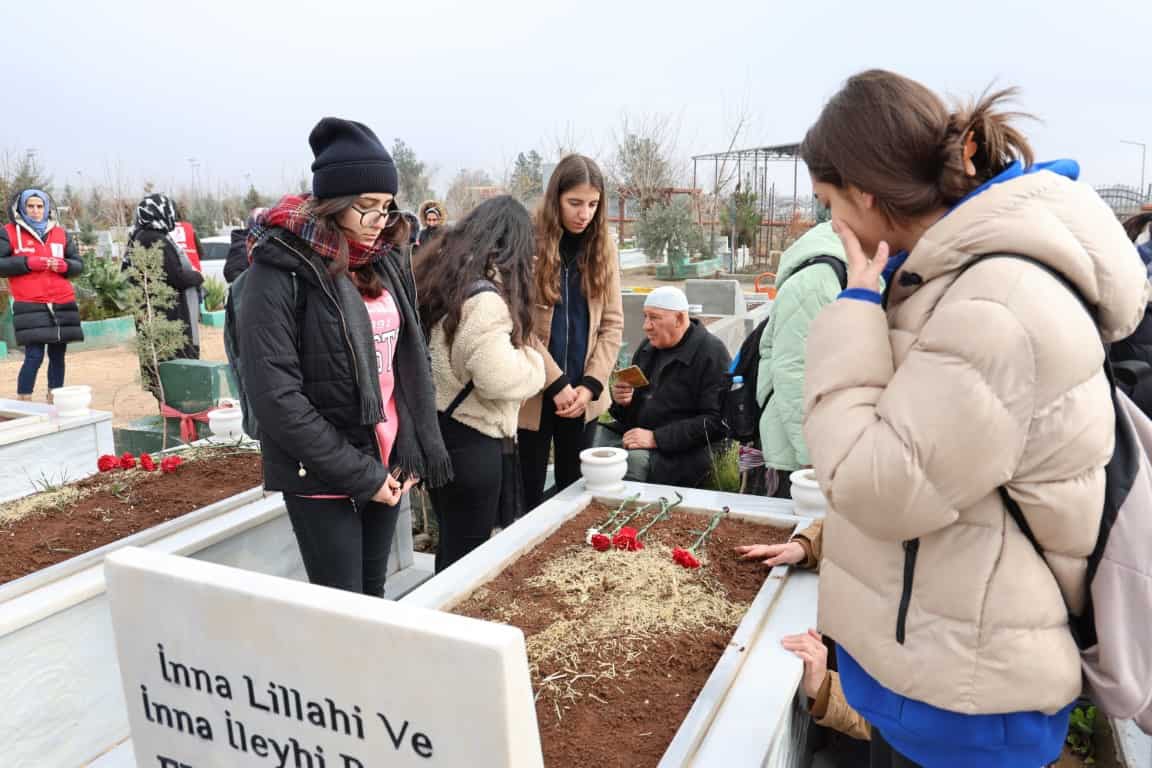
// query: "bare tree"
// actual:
[[119, 201], [725, 170], [737, 132], [19, 171], [646, 160], [565, 141]]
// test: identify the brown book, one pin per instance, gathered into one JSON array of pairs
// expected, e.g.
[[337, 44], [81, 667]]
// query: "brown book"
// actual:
[[632, 375]]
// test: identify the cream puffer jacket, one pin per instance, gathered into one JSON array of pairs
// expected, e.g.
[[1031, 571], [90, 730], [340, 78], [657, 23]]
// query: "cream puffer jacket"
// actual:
[[482, 352], [972, 379]]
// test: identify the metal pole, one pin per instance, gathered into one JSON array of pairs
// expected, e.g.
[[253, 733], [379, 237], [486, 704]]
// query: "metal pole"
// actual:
[[771, 221], [735, 204], [760, 211], [715, 205], [620, 230], [694, 187], [795, 177]]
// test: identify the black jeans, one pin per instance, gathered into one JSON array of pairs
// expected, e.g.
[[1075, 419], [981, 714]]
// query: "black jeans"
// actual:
[[882, 755], [33, 358], [567, 437], [478, 499], [783, 483], [344, 545]]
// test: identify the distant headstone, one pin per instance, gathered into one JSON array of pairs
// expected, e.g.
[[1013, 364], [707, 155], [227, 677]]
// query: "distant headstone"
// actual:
[[191, 386], [717, 297], [227, 667], [106, 247]]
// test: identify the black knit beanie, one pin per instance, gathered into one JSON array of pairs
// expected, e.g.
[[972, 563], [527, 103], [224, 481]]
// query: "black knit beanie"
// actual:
[[350, 160]]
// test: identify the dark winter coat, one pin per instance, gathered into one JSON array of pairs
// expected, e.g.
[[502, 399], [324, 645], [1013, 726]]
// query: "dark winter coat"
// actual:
[[237, 260], [181, 276], [1133, 356], [42, 322], [300, 376], [681, 405], [426, 234]]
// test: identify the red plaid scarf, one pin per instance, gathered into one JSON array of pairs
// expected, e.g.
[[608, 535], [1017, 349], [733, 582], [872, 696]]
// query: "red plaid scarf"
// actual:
[[292, 214]]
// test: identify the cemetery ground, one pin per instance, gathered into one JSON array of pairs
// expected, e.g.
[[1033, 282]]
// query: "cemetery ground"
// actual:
[[113, 374]]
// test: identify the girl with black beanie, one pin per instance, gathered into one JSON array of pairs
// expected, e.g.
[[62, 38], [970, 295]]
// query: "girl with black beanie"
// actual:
[[334, 362]]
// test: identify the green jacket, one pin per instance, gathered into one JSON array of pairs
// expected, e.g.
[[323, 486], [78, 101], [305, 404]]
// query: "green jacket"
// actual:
[[782, 346]]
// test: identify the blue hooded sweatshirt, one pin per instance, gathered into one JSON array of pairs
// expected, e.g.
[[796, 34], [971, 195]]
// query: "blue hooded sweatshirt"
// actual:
[[928, 735]]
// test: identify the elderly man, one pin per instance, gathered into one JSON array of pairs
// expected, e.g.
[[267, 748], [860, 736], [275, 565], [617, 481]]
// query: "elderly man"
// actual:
[[670, 426]]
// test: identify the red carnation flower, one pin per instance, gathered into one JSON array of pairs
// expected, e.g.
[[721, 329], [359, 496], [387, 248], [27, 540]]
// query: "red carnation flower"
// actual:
[[170, 464], [147, 463], [601, 542], [107, 463], [685, 558], [127, 461], [626, 539]]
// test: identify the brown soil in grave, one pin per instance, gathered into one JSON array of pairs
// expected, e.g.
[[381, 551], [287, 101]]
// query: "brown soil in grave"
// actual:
[[109, 506], [629, 718]]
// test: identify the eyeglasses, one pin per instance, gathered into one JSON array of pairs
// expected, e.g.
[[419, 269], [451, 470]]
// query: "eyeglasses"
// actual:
[[373, 216]]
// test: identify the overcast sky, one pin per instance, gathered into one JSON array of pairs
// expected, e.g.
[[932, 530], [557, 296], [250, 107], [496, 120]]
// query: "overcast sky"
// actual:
[[237, 85]]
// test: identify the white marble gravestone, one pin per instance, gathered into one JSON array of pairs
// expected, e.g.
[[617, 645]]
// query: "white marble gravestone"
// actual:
[[228, 667], [716, 297], [38, 448]]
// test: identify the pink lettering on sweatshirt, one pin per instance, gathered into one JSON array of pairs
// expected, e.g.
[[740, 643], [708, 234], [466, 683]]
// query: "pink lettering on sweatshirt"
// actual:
[[385, 330]]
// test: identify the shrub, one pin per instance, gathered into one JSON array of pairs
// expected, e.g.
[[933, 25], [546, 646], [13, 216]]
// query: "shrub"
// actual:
[[102, 290], [215, 293], [669, 228]]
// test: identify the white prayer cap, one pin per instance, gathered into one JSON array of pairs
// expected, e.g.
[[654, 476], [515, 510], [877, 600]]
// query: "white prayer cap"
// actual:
[[667, 297]]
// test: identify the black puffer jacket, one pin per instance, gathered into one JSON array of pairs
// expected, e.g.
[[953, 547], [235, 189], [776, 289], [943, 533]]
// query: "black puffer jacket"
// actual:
[[299, 376], [37, 322], [426, 234], [1133, 356], [237, 260], [681, 405]]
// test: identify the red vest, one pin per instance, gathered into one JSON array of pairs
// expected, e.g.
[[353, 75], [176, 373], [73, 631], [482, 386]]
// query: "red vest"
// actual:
[[185, 237], [45, 287]]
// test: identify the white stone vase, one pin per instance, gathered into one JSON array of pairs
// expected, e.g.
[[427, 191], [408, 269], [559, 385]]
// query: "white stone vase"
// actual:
[[807, 497], [226, 424], [72, 401], [604, 469]]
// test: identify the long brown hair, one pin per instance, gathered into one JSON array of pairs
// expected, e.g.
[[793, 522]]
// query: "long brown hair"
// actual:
[[595, 261], [494, 242], [327, 212], [1136, 224], [894, 138]]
